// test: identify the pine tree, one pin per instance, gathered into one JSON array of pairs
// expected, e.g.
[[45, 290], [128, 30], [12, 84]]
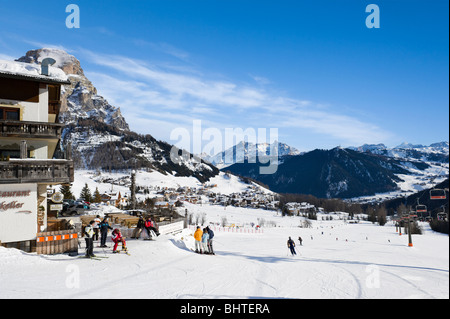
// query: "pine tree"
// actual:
[[66, 190], [381, 215], [97, 198], [371, 214], [85, 194]]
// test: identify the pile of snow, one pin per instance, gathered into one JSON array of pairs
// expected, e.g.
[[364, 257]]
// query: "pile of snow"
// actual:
[[31, 70]]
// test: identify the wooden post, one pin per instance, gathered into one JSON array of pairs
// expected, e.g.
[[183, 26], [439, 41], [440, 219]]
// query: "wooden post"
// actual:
[[69, 151], [410, 244], [23, 149]]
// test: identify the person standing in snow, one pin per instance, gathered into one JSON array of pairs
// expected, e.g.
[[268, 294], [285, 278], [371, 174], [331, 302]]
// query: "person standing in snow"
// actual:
[[89, 233], [139, 227], [198, 240], [291, 246], [205, 239], [300, 240], [104, 226], [96, 225], [210, 240]]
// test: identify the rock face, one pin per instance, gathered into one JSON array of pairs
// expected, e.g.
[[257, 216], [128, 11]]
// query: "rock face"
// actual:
[[79, 99], [98, 133]]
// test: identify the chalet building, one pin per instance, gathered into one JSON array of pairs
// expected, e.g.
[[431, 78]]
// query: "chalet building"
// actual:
[[114, 199], [29, 135]]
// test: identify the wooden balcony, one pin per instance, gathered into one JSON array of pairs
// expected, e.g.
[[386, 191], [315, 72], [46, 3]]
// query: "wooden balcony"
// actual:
[[23, 129], [19, 171]]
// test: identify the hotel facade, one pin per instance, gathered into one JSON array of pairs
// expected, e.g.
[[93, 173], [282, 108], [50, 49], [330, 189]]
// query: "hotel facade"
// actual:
[[30, 100]]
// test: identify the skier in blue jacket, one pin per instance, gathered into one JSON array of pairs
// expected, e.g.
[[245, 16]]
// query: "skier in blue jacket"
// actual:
[[210, 240], [291, 246]]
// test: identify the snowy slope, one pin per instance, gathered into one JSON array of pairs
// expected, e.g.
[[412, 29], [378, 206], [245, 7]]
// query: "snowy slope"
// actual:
[[337, 260], [226, 184]]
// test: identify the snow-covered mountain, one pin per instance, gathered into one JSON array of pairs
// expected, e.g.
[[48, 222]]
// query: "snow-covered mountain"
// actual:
[[436, 152], [100, 136], [369, 170], [245, 151]]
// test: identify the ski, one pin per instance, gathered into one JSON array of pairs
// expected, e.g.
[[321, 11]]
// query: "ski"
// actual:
[[202, 253], [125, 251], [89, 257], [122, 251]]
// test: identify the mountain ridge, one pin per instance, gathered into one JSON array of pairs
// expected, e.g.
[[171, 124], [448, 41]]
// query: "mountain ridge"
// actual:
[[340, 173]]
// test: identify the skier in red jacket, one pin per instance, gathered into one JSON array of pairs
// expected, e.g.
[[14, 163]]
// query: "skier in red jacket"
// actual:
[[117, 238]]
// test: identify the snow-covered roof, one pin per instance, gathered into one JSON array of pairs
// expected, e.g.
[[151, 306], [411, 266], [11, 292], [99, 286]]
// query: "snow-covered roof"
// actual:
[[20, 70]]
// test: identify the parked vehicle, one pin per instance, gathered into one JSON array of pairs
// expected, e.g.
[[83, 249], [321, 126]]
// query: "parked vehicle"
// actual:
[[75, 209]]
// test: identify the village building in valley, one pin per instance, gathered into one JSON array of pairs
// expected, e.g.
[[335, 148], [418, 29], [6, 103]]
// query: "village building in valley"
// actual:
[[29, 136]]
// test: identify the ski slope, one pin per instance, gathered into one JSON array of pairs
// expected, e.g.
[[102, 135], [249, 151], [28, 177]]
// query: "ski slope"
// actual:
[[337, 261]]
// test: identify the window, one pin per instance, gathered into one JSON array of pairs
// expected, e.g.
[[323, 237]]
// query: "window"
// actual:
[[9, 113], [12, 154]]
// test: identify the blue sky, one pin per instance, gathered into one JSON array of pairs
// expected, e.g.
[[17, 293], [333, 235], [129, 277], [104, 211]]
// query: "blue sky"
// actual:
[[312, 69]]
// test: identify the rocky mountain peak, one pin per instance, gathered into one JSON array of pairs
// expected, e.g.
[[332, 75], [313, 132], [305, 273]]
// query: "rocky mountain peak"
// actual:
[[80, 99], [65, 61]]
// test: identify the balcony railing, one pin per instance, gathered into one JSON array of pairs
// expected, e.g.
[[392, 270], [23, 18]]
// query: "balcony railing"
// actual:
[[16, 171], [25, 129]]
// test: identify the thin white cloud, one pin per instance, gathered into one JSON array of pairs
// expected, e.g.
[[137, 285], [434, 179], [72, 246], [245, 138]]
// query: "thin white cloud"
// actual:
[[164, 48], [40, 45], [171, 96], [6, 57]]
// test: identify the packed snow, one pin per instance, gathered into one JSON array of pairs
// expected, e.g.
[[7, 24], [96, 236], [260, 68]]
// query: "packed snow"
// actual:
[[338, 259], [33, 70]]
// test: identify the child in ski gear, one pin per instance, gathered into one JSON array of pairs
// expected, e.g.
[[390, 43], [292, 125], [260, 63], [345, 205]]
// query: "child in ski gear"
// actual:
[[89, 233], [117, 238], [210, 240], [198, 240], [149, 226], [205, 238], [104, 226], [291, 246]]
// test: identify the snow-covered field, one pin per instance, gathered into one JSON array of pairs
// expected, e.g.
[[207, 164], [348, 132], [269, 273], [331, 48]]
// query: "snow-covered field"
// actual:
[[337, 260]]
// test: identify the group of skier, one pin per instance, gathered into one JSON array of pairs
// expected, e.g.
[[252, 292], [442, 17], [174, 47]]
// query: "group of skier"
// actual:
[[204, 240], [97, 225]]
